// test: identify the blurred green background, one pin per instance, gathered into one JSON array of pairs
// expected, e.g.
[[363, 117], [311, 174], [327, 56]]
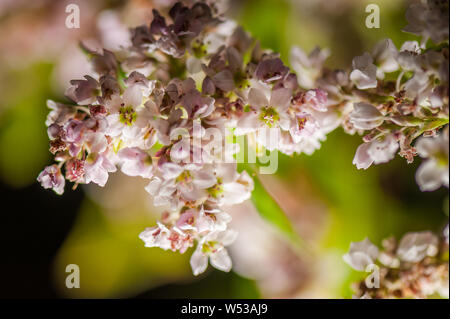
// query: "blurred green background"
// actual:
[[328, 201]]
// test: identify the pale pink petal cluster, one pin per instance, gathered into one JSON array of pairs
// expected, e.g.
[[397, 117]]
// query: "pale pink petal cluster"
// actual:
[[154, 111], [169, 108], [414, 267]]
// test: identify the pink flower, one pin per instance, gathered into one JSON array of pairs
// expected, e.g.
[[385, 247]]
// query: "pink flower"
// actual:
[[428, 19], [73, 135], [156, 236], [203, 220], [59, 113], [165, 238], [364, 73], [196, 105], [83, 91], [75, 170], [433, 172], [269, 110], [362, 159], [416, 246], [178, 184], [51, 177], [361, 254], [365, 116], [135, 162], [317, 99], [211, 220], [385, 56], [187, 220], [381, 150], [130, 114], [212, 247], [271, 70], [308, 67], [231, 187], [97, 168]]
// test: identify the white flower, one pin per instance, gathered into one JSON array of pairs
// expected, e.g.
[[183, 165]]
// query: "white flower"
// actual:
[[196, 105], [361, 254], [51, 177], [381, 150], [366, 116], [178, 184], [307, 130], [362, 159], [59, 113], [308, 67], [316, 99], [97, 167], [307, 143], [165, 238], [408, 58], [212, 246], [302, 127], [203, 220], [364, 73], [269, 110], [157, 236], [224, 30], [231, 187], [129, 117], [135, 162], [419, 86], [83, 91], [433, 172], [428, 19], [384, 54], [416, 246]]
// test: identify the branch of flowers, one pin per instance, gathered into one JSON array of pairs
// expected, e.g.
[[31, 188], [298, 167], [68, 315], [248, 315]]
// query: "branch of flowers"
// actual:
[[415, 267], [393, 110], [202, 72]]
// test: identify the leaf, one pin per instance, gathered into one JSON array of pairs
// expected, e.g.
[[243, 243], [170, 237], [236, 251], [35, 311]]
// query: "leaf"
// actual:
[[432, 125], [269, 209]]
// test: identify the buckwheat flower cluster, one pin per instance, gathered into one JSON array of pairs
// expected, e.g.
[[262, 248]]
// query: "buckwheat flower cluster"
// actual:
[[416, 267], [394, 96], [168, 108], [429, 19]]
